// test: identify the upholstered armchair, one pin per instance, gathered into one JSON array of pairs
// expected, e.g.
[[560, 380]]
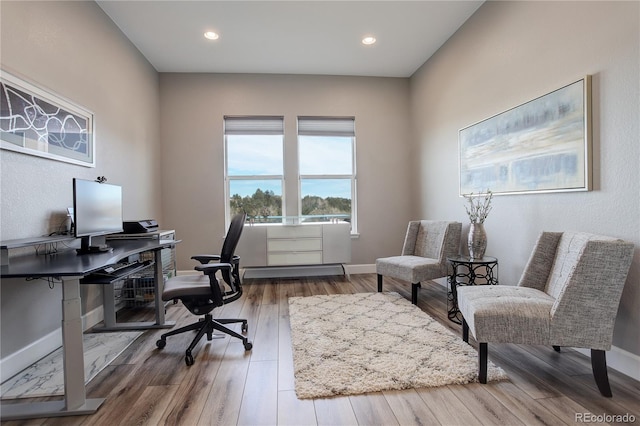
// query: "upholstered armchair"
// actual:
[[427, 244], [568, 295]]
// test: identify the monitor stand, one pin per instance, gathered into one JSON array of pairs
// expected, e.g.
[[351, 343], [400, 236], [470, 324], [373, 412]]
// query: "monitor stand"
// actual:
[[93, 244]]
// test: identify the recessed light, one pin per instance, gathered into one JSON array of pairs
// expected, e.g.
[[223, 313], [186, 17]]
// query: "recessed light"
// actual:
[[368, 40], [211, 35]]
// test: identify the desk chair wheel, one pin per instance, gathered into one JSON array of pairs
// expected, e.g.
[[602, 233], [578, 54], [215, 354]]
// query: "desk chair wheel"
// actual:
[[188, 359], [245, 327], [161, 343], [248, 345]]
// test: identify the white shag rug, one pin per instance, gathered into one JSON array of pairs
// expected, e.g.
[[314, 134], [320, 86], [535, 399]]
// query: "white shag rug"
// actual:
[[348, 344]]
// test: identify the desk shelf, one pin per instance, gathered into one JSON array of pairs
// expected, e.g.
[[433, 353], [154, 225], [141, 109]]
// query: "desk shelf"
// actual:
[[49, 243], [100, 278]]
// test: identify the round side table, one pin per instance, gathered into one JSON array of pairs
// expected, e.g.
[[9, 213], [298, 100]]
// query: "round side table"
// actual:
[[467, 270]]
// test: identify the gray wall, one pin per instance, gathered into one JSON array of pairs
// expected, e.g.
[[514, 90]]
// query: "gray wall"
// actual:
[[74, 50], [192, 111], [509, 53]]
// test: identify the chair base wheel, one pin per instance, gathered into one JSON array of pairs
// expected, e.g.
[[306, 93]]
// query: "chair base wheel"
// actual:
[[188, 359], [245, 327], [248, 346], [161, 343]]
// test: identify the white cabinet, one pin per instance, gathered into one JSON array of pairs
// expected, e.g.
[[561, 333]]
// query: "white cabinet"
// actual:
[[336, 243], [252, 247], [289, 245], [294, 245]]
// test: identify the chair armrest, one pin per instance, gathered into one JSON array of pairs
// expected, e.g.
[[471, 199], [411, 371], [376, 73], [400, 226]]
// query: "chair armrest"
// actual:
[[213, 268], [226, 268], [206, 258]]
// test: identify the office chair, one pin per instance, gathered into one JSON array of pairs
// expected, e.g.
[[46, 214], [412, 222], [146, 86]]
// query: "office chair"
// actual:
[[201, 294]]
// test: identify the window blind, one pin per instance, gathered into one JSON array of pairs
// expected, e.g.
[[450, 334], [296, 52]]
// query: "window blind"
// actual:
[[253, 125], [326, 126]]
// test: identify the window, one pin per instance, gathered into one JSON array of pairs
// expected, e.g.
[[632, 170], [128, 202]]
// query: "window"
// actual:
[[254, 164], [255, 169], [326, 152]]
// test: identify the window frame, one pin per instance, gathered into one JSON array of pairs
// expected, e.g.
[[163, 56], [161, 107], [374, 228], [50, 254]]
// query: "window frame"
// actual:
[[261, 128], [327, 127], [324, 126]]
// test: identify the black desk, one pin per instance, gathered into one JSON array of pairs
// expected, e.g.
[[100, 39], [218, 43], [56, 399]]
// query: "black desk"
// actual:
[[70, 268]]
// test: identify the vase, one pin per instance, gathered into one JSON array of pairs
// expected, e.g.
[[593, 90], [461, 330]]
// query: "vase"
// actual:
[[477, 240]]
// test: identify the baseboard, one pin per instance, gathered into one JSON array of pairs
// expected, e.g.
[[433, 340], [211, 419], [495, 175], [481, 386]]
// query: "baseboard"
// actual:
[[23, 358], [620, 360], [92, 318]]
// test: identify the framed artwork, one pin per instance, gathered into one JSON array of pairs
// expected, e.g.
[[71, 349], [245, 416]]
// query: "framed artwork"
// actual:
[[37, 122], [543, 145]]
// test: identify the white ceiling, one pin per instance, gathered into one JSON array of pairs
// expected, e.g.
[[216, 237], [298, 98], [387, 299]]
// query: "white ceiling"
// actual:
[[289, 37]]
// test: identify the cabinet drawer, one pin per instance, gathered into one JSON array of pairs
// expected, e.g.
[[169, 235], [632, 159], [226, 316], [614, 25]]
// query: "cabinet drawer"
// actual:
[[302, 231], [300, 258], [305, 244]]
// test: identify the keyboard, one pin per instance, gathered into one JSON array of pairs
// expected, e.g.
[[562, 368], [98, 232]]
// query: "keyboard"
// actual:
[[122, 268]]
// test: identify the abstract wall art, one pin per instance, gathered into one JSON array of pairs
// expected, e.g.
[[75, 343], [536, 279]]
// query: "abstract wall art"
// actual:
[[543, 145], [37, 122]]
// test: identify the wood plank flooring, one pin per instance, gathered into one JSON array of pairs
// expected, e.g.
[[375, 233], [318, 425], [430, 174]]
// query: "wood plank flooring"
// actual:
[[228, 386]]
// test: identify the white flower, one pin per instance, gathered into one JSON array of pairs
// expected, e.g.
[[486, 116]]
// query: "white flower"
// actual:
[[478, 208]]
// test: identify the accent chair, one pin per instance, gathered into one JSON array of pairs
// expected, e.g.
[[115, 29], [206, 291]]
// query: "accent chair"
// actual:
[[568, 296], [427, 244]]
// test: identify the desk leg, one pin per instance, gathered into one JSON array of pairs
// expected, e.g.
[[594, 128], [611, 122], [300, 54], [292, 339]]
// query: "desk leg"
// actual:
[[75, 402], [109, 305], [72, 344], [159, 287]]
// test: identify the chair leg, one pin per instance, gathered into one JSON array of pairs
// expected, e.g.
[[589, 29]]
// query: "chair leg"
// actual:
[[218, 326], [414, 293], [206, 328], [599, 367], [190, 327], [203, 326], [482, 361], [465, 331], [245, 325], [379, 283]]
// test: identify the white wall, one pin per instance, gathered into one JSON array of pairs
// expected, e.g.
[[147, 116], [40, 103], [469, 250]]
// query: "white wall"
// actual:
[[192, 111], [509, 53], [74, 50]]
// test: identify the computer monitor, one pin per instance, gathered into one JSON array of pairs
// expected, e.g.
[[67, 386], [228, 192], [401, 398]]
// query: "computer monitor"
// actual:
[[97, 211]]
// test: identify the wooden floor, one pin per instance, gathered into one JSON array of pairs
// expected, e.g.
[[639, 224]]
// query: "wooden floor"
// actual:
[[227, 386]]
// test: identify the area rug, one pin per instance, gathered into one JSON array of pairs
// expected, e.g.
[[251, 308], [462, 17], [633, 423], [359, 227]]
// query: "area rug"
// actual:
[[348, 344], [45, 377]]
